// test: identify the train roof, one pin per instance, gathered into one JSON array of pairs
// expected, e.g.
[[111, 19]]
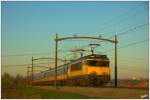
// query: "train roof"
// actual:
[[92, 56]]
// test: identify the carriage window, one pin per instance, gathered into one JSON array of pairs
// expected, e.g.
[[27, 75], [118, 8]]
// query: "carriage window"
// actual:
[[76, 66], [98, 63]]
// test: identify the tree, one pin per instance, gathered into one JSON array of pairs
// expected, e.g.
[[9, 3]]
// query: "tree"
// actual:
[[7, 81]]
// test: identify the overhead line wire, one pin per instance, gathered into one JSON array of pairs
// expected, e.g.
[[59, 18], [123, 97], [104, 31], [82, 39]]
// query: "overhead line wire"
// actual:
[[134, 43], [24, 54], [123, 14], [120, 33], [119, 21], [116, 18], [134, 28]]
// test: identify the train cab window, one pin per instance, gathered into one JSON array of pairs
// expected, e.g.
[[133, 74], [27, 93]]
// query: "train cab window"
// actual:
[[98, 63], [92, 63], [104, 63]]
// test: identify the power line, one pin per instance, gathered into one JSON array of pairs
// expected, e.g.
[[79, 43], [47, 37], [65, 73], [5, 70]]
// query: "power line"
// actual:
[[120, 33], [126, 32], [15, 65], [114, 25], [131, 70], [116, 18], [22, 65], [102, 45], [24, 54], [132, 64], [133, 58], [131, 67], [131, 44], [134, 43], [120, 16], [25, 64], [131, 29]]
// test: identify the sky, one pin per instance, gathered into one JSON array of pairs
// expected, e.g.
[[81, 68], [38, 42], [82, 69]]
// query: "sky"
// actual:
[[29, 29]]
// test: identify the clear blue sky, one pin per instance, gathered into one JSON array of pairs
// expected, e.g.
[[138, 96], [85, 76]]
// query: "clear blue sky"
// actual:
[[30, 27]]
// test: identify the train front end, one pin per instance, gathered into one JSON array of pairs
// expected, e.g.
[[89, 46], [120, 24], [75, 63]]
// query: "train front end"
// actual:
[[98, 70]]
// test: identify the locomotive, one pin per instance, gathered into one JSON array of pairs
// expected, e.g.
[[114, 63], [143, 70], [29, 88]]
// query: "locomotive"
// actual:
[[90, 70]]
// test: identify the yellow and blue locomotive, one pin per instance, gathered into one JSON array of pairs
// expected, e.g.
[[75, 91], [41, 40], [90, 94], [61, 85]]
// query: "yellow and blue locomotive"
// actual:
[[90, 70]]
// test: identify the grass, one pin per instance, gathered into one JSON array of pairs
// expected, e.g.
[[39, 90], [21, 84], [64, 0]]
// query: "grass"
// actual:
[[75, 93], [31, 92]]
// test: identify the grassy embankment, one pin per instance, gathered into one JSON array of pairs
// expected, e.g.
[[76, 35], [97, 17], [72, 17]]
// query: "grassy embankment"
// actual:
[[17, 88], [31, 92]]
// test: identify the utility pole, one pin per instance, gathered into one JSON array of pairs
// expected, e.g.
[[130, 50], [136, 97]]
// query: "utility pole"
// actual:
[[65, 63], [32, 71], [115, 61], [55, 84], [27, 75]]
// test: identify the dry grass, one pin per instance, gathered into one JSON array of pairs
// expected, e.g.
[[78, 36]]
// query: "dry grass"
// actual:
[[34, 93], [122, 93]]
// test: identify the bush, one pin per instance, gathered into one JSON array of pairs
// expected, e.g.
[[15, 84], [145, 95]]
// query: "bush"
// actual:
[[9, 82]]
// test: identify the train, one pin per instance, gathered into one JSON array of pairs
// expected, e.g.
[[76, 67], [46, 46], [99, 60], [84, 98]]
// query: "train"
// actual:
[[89, 70]]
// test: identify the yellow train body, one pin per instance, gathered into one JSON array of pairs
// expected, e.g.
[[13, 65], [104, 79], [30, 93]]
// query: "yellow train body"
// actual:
[[88, 70], [95, 70]]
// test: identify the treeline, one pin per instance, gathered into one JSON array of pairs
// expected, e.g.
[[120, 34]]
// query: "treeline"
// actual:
[[11, 82]]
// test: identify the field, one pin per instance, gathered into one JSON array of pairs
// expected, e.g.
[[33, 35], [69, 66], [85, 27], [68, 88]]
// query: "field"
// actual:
[[65, 92], [34, 93], [102, 92], [17, 88]]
